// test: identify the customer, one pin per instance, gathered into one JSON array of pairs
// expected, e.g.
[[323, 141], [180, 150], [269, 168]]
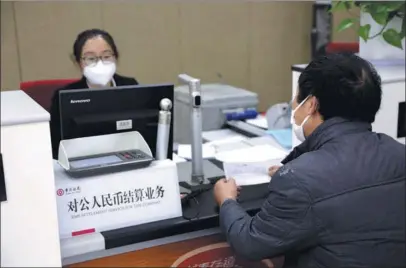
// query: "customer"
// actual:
[[339, 199], [96, 54]]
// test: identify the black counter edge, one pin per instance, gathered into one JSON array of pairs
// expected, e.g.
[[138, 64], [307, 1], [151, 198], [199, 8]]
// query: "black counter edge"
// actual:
[[156, 230], [297, 69]]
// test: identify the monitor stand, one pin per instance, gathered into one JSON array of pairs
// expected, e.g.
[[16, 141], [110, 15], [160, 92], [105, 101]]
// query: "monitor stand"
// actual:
[[189, 185]]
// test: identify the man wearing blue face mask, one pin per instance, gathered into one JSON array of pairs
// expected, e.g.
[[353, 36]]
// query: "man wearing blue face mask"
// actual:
[[339, 199]]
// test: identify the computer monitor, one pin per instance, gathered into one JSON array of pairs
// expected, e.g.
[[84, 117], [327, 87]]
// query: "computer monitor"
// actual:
[[93, 112]]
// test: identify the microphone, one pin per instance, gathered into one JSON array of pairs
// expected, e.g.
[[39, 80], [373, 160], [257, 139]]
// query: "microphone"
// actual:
[[164, 126]]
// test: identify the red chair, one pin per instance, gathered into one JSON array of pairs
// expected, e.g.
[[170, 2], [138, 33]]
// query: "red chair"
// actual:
[[342, 47], [42, 90]]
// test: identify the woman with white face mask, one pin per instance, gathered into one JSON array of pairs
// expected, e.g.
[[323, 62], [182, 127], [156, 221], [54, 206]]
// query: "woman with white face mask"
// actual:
[[96, 54]]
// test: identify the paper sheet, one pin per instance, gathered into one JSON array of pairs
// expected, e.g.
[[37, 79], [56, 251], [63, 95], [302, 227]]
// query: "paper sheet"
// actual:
[[265, 140], [248, 173], [258, 153], [231, 146], [249, 166], [221, 134], [229, 140], [260, 122], [177, 159], [185, 151]]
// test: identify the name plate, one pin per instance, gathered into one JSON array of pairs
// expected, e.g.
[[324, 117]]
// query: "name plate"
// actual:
[[117, 200]]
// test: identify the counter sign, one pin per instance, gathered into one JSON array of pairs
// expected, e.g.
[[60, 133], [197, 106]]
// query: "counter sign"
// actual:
[[111, 202]]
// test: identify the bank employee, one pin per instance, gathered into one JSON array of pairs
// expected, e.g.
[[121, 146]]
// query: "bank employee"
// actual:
[[339, 199], [96, 54]]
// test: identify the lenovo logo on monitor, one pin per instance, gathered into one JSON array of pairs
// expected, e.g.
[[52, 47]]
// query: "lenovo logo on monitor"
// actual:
[[80, 101]]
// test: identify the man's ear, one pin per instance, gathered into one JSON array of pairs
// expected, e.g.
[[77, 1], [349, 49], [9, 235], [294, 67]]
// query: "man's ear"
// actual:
[[313, 104]]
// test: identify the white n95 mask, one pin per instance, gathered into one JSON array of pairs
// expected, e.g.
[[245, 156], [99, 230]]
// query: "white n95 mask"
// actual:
[[100, 74], [298, 129]]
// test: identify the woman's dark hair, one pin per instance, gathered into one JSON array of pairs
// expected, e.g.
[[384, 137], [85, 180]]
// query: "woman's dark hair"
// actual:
[[82, 38], [344, 84]]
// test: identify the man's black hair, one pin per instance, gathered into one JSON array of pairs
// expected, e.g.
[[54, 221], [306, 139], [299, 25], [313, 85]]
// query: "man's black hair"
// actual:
[[89, 34], [344, 84]]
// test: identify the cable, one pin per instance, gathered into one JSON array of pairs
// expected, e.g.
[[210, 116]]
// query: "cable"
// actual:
[[187, 197], [187, 202]]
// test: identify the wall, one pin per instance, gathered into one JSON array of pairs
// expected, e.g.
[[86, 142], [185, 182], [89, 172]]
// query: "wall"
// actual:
[[246, 44], [349, 35]]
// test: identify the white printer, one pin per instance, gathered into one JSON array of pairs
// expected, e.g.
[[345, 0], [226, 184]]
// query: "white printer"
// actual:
[[216, 99]]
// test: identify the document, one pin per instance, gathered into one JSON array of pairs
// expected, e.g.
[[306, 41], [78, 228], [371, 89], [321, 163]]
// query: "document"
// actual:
[[185, 151], [248, 173], [228, 140], [260, 122], [177, 159], [221, 134], [210, 149], [228, 144], [250, 166], [257, 153]]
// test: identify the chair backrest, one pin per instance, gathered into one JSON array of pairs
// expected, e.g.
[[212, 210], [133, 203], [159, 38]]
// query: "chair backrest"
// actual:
[[342, 47], [42, 90]]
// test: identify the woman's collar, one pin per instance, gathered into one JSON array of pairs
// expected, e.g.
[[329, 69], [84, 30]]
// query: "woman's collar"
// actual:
[[113, 83]]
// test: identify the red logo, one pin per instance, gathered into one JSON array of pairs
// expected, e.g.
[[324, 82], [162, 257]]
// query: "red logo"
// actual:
[[60, 192], [215, 255]]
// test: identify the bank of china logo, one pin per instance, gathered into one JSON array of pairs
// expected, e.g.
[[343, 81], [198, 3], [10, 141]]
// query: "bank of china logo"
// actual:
[[60, 192]]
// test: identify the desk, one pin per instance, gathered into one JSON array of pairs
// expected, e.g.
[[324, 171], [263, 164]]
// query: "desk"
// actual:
[[165, 243]]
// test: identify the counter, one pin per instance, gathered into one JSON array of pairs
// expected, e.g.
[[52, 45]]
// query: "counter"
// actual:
[[159, 243], [32, 210], [29, 222]]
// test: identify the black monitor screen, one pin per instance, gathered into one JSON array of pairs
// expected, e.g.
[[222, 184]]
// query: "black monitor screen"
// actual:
[[402, 120], [93, 112]]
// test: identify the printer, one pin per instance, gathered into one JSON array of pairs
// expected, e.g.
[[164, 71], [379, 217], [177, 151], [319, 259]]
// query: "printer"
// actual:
[[220, 102]]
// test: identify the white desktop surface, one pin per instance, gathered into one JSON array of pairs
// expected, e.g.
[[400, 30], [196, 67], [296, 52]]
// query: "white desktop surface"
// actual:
[[18, 108]]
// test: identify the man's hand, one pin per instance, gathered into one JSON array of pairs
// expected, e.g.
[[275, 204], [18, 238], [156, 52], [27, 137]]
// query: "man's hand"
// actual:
[[225, 189], [272, 170], [276, 262]]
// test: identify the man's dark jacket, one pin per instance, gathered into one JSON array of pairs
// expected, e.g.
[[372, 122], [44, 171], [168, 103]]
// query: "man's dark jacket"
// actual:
[[55, 123], [338, 201]]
